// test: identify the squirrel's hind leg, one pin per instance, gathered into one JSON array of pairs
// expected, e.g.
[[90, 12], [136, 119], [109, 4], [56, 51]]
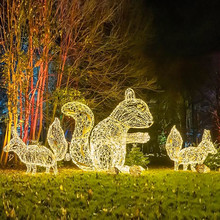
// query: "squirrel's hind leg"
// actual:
[[185, 166], [55, 169], [28, 168], [47, 170], [34, 169]]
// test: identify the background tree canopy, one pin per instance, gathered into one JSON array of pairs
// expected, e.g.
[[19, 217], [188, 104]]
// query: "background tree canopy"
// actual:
[[53, 52]]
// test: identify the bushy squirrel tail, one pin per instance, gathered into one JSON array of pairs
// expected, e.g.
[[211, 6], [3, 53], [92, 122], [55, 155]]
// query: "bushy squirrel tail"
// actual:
[[56, 139], [174, 143]]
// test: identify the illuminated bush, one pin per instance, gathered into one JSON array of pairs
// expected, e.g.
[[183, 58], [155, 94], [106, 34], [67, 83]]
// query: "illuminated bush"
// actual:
[[136, 157], [162, 141], [213, 161]]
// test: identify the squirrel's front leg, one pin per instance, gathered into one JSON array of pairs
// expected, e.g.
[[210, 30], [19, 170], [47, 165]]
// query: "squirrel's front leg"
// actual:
[[193, 167], [138, 137], [34, 169], [176, 165]]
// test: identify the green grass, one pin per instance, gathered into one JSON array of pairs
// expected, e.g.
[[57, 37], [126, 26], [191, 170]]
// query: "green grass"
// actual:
[[73, 194]]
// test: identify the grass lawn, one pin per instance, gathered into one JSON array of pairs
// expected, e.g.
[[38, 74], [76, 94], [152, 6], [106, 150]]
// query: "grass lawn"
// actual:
[[74, 194]]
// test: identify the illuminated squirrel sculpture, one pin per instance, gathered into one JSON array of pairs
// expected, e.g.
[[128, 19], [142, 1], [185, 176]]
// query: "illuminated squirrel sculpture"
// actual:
[[104, 146], [36, 155], [189, 155]]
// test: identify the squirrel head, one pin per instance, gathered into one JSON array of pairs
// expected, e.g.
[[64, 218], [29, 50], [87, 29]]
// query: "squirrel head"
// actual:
[[14, 143], [133, 112]]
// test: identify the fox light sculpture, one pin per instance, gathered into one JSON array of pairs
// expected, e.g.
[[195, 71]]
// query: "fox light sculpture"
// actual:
[[189, 155]]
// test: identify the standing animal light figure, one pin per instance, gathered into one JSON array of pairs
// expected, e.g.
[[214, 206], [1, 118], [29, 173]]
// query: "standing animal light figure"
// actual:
[[36, 155], [104, 146], [190, 155]]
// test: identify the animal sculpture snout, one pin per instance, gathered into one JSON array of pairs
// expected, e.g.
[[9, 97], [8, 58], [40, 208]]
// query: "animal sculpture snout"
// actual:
[[6, 148], [150, 123], [214, 151]]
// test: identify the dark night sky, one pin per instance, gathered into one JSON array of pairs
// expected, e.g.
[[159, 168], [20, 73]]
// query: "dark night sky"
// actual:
[[185, 28], [186, 33]]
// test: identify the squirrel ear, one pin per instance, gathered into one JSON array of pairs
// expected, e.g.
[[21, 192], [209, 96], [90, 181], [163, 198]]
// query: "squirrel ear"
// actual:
[[129, 94], [14, 131], [206, 135], [56, 120]]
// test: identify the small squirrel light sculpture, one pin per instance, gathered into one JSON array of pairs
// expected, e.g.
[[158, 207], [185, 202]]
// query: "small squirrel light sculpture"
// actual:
[[189, 155], [36, 155]]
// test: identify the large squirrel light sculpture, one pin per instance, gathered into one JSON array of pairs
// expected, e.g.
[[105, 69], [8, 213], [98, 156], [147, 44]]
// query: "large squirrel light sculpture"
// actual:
[[36, 155], [189, 155], [104, 146]]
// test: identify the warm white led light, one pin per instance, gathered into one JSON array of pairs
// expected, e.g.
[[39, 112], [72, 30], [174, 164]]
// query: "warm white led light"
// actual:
[[138, 137], [37, 155], [56, 140], [190, 155], [104, 146]]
